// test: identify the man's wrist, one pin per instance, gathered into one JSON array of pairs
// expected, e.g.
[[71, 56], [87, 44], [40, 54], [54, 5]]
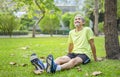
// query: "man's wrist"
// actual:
[[69, 52]]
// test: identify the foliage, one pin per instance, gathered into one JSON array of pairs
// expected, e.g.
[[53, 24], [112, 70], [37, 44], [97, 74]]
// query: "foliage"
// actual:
[[21, 32], [87, 21], [7, 6], [50, 23], [8, 23], [100, 26], [37, 8], [72, 23], [88, 7], [118, 8], [26, 22], [66, 19], [43, 46]]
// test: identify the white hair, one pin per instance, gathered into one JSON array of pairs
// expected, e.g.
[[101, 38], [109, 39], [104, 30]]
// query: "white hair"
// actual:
[[79, 15]]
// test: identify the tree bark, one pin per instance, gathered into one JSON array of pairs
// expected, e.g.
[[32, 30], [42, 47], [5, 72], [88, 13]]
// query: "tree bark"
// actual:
[[96, 18], [34, 27], [110, 30]]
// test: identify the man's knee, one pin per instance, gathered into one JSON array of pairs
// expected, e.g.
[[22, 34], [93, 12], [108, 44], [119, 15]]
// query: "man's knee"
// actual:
[[76, 61], [63, 59]]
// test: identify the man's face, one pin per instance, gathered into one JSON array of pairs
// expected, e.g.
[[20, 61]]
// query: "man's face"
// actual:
[[78, 20]]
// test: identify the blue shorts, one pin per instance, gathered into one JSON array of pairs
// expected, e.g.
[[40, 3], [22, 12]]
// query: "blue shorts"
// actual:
[[84, 57]]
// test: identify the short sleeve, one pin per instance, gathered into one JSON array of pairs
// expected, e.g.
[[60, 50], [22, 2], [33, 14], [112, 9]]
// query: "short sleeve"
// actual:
[[90, 34]]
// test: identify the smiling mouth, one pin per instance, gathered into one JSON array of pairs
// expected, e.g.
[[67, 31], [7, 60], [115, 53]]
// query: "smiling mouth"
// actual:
[[77, 22]]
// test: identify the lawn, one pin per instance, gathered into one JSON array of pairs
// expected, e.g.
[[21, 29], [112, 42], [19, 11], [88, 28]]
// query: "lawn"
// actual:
[[18, 50]]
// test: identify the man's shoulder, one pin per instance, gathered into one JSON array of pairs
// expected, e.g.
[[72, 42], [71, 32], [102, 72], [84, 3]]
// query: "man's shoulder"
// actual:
[[87, 28], [71, 31]]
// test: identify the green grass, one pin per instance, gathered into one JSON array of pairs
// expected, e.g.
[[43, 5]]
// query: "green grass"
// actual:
[[44, 46]]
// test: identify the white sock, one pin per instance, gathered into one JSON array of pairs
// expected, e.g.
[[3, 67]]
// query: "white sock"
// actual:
[[45, 65], [58, 68]]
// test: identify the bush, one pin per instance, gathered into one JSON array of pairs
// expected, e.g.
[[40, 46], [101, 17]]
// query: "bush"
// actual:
[[8, 23], [26, 22], [52, 24], [100, 26], [66, 19], [16, 33]]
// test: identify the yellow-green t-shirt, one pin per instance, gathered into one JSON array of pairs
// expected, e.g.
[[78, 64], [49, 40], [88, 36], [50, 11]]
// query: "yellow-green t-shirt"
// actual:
[[80, 40]]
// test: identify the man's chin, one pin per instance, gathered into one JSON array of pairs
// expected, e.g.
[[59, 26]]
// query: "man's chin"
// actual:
[[77, 25]]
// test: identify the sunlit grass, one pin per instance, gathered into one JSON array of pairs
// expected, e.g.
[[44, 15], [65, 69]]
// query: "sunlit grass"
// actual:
[[11, 50]]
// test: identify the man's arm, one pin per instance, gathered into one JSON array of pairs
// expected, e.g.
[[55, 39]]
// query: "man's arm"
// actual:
[[70, 47], [91, 41]]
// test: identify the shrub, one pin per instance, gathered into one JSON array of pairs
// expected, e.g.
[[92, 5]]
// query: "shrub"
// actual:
[[100, 26], [8, 23], [66, 19], [50, 23], [15, 33]]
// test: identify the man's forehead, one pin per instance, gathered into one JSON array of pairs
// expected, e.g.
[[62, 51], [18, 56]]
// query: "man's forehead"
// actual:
[[78, 17]]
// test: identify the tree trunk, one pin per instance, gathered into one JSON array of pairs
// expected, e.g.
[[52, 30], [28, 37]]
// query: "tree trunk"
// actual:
[[33, 31], [37, 22], [110, 29], [96, 18]]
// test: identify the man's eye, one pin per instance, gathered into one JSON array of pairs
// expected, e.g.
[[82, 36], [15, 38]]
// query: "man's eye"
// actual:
[[79, 18]]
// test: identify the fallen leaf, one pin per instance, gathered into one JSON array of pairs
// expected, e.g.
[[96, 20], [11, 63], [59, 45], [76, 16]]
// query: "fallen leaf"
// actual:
[[24, 64], [100, 59], [79, 69], [86, 74], [12, 54], [12, 63], [37, 72], [24, 48], [95, 73], [42, 57]]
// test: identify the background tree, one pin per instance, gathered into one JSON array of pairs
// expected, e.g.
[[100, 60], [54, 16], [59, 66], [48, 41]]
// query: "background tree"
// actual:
[[50, 23], [110, 28], [66, 19], [94, 10], [8, 23], [96, 17], [26, 22], [37, 8]]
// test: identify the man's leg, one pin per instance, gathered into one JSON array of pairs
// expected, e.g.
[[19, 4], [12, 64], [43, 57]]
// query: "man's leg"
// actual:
[[62, 60], [73, 62], [52, 67]]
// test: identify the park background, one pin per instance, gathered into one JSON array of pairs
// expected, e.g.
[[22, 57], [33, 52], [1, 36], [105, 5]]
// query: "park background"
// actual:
[[42, 27]]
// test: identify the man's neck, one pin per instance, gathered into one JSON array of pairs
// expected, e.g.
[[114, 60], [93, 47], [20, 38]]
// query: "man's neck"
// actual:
[[79, 28]]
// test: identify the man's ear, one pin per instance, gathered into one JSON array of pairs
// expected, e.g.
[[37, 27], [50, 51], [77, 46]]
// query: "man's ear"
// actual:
[[83, 22]]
